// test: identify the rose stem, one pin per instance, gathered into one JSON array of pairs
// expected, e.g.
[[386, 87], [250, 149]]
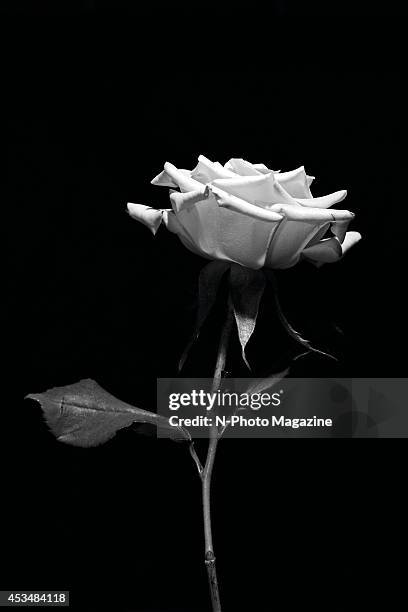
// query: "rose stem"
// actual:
[[209, 464]]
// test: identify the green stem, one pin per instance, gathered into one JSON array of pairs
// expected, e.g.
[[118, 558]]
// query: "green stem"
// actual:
[[209, 464]]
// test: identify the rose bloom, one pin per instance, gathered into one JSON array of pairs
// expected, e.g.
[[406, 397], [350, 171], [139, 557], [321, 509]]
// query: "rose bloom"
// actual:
[[251, 215]]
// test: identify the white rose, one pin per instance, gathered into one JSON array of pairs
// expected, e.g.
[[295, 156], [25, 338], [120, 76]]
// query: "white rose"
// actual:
[[251, 215]]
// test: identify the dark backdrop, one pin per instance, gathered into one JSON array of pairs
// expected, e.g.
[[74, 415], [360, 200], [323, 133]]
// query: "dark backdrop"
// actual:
[[92, 294]]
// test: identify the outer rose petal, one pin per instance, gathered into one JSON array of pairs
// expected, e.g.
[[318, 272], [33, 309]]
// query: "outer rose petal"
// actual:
[[262, 190], [324, 201], [330, 250], [242, 167], [327, 250], [303, 213], [231, 202], [296, 232], [164, 180], [180, 179], [339, 229], [296, 182], [288, 242], [219, 233], [173, 225], [180, 201], [263, 169], [206, 171], [235, 165], [151, 217], [350, 240]]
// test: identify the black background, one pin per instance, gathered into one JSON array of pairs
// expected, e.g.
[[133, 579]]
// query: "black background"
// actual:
[[92, 294]]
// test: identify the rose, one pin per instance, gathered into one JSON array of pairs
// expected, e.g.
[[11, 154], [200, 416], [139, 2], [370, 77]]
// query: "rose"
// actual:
[[251, 215]]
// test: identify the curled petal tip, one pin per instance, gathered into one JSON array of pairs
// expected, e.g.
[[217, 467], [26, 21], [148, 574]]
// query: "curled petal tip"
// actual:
[[303, 213], [341, 214], [181, 201], [163, 179], [323, 201], [351, 239], [150, 217]]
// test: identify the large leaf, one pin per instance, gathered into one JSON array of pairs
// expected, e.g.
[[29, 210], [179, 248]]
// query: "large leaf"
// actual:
[[84, 414], [247, 287], [208, 284]]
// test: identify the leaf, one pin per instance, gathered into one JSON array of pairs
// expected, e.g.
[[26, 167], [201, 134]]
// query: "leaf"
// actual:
[[247, 287], [84, 414], [208, 285], [291, 330]]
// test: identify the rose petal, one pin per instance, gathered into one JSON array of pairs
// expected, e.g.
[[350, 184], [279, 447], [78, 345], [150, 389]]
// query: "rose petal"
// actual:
[[288, 242], [263, 169], [151, 217], [305, 213], [180, 179], [327, 250], [324, 201], [174, 226], [262, 190], [163, 180], [184, 200], [220, 233], [330, 250], [238, 205], [242, 167], [321, 233], [296, 182], [339, 229], [206, 171], [350, 240], [297, 231]]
